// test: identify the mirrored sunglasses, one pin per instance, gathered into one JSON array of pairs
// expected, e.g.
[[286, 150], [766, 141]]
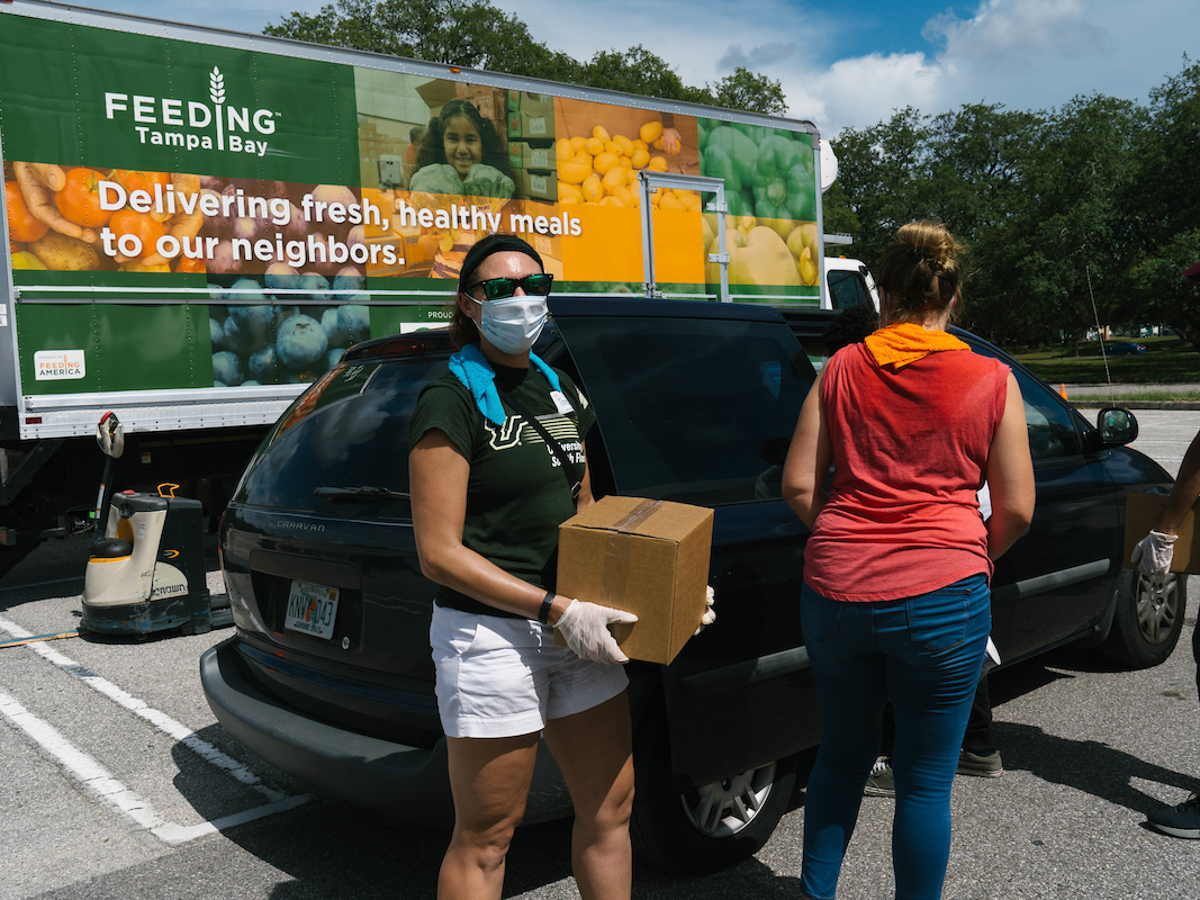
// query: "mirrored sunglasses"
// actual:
[[503, 288]]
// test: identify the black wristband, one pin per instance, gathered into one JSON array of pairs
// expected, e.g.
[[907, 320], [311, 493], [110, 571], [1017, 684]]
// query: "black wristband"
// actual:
[[544, 612]]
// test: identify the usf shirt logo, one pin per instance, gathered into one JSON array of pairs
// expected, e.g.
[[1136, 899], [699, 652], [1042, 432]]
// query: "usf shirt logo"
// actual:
[[516, 431]]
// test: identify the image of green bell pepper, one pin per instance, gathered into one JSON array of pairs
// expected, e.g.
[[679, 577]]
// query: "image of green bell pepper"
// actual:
[[783, 182], [730, 155]]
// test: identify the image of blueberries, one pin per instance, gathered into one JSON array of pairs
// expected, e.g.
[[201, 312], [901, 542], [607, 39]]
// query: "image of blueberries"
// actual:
[[227, 369], [216, 292], [301, 342], [236, 340], [285, 311], [316, 284], [337, 335], [347, 282], [355, 321], [334, 356], [245, 290], [254, 321], [264, 365], [282, 278], [216, 332]]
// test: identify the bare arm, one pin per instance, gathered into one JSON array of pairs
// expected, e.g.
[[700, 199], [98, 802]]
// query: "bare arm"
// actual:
[[808, 460], [1184, 493], [1010, 476], [438, 474]]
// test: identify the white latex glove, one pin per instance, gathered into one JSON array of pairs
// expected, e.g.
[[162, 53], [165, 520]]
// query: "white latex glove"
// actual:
[[1153, 554], [710, 614], [584, 626]]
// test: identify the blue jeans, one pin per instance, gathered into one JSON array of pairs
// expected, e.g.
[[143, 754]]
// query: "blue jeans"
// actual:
[[924, 654]]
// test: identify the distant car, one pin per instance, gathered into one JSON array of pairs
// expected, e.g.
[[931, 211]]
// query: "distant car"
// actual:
[[1124, 348], [330, 676]]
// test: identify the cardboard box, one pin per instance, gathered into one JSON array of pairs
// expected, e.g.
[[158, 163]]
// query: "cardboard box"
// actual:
[[522, 155], [530, 115], [537, 186], [648, 557], [1141, 515], [437, 93]]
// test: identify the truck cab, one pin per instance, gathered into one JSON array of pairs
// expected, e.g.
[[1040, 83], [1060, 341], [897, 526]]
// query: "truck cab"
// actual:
[[848, 284]]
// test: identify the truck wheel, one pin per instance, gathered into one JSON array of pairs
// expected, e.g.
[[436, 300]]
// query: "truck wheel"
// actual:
[[710, 826], [1147, 621]]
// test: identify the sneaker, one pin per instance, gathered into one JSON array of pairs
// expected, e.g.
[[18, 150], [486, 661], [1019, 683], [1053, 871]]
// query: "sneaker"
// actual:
[[986, 765], [1179, 821], [880, 782]]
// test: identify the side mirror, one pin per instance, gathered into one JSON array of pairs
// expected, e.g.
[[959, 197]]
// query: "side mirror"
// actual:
[[1116, 427]]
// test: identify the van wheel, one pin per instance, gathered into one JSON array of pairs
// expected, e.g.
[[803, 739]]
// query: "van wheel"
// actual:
[[702, 828], [1148, 620]]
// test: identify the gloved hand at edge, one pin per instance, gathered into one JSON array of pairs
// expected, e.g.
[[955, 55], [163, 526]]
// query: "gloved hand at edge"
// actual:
[[710, 614], [584, 626], [1153, 554]]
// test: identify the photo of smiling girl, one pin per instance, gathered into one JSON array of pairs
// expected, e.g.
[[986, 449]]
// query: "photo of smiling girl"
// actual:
[[460, 153]]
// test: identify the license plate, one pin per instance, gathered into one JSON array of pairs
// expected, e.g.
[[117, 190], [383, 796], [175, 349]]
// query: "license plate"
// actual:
[[312, 608]]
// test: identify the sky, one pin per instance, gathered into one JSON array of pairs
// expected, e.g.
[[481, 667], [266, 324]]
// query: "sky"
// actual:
[[844, 63]]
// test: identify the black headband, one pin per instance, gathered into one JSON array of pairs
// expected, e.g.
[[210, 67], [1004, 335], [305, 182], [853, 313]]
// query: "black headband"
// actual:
[[493, 243]]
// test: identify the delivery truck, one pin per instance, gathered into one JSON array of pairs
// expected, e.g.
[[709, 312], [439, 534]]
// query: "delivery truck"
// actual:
[[200, 222]]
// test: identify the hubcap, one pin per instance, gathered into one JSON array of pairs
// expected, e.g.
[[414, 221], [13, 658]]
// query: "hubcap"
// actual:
[[1157, 607], [723, 808]]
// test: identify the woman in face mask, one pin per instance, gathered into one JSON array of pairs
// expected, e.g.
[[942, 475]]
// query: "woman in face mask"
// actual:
[[489, 490]]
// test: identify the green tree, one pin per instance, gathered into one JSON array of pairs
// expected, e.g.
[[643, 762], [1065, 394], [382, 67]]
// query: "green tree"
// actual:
[[468, 33], [475, 34], [637, 71], [1162, 208], [1159, 284], [1066, 248], [979, 158], [749, 91], [881, 178]]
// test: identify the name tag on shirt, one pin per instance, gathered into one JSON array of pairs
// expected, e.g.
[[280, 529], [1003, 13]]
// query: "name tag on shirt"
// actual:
[[561, 403]]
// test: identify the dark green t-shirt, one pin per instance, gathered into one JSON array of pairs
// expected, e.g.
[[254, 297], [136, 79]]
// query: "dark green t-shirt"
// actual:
[[517, 494]]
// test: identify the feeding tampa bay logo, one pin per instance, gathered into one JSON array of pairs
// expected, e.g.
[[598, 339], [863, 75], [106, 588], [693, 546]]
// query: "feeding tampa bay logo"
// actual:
[[211, 124]]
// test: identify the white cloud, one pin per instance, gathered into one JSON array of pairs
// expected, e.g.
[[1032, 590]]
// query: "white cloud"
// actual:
[[1025, 54], [1004, 32], [866, 90], [756, 58]]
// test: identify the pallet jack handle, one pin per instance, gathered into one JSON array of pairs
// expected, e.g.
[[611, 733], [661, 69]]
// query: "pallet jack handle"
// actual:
[[110, 435]]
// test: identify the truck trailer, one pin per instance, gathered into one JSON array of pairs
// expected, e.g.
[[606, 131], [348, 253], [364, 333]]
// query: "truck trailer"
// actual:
[[200, 222]]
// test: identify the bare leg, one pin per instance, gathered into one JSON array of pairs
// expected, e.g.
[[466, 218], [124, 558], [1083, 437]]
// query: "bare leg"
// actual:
[[489, 778], [593, 750]]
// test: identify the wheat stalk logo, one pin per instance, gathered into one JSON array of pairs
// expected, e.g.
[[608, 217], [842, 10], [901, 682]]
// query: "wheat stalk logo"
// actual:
[[216, 85], [216, 91]]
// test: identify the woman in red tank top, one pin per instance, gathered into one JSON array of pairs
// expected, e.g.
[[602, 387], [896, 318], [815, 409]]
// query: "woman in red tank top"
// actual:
[[896, 603]]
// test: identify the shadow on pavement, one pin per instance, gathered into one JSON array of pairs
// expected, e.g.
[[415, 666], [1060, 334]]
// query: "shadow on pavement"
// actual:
[[1091, 767]]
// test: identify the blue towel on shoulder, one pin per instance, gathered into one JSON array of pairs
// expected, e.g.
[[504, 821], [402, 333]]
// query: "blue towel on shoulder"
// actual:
[[471, 367]]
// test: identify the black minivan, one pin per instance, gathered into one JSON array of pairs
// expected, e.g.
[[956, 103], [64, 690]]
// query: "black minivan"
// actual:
[[329, 675]]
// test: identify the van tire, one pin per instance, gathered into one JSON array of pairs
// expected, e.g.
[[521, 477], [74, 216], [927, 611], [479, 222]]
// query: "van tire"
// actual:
[[670, 827], [1146, 623]]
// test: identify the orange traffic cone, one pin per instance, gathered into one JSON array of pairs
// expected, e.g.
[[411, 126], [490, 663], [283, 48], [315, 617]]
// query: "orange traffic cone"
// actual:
[[1062, 390]]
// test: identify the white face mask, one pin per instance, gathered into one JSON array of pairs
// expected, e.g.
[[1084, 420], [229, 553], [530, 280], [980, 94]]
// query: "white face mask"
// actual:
[[512, 325]]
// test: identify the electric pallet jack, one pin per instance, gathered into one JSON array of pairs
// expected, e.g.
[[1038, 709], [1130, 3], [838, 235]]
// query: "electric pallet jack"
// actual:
[[145, 570]]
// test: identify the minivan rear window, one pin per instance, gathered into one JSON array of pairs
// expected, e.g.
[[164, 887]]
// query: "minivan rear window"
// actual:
[[694, 410], [342, 448]]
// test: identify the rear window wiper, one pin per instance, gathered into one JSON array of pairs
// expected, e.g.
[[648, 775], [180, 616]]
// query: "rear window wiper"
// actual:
[[364, 494]]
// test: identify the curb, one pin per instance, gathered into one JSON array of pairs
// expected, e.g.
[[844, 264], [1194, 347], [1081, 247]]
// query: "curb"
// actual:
[[1141, 404]]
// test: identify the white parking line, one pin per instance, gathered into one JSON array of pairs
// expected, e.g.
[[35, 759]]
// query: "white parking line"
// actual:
[[99, 781]]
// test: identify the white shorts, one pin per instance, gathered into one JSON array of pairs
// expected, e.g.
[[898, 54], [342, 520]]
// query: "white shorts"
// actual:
[[499, 677]]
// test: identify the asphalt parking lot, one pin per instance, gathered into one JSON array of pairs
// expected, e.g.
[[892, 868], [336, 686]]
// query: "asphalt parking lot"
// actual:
[[119, 784]]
